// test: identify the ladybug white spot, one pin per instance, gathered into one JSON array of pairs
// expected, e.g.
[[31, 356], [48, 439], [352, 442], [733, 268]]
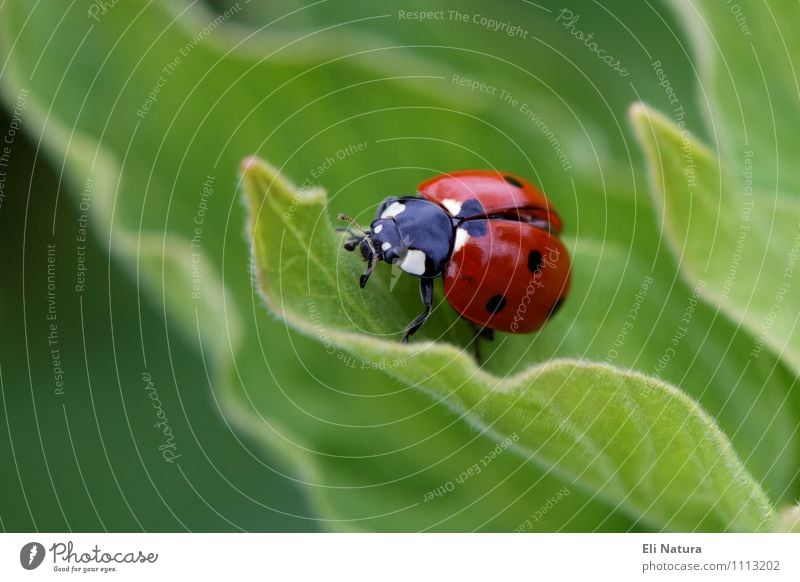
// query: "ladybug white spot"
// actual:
[[453, 206], [394, 209], [462, 236], [414, 262], [378, 229], [386, 246]]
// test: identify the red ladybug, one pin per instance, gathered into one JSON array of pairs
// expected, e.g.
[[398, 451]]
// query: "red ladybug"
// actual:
[[494, 238]]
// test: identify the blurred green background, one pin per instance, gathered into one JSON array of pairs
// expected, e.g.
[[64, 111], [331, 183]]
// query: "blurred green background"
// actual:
[[89, 460], [327, 446]]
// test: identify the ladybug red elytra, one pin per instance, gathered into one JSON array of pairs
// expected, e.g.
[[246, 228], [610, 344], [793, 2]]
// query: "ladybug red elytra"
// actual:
[[493, 237]]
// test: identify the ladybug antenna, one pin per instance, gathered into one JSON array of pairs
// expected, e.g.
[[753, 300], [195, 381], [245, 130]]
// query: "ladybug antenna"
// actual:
[[363, 242], [352, 221]]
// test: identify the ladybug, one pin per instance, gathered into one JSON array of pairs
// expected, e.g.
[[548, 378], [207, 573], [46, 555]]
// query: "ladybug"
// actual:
[[492, 236]]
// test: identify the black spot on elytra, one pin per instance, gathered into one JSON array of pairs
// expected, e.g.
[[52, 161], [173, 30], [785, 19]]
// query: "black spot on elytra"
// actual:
[[496, 304], [535, 261], [556, 306], [513, 181]]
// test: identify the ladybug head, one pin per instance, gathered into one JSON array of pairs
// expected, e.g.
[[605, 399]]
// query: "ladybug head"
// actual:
[[380, 242]]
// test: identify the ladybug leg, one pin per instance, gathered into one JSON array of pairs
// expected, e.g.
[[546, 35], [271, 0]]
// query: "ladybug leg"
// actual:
[[351, 243], [478, 333], [368, 271], [355, 238], [426, 292]]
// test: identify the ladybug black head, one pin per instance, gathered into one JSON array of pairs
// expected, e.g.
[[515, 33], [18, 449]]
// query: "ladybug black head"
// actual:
[[385, 238], [380, 242]]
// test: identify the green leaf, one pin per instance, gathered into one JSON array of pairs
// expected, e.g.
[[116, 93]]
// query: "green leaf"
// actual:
[[748, 57], [789, 520], [740, 244], [633, 442], [364, 447]]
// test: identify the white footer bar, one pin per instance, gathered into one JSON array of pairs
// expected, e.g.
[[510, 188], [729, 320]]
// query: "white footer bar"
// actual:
[[388, 557]]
